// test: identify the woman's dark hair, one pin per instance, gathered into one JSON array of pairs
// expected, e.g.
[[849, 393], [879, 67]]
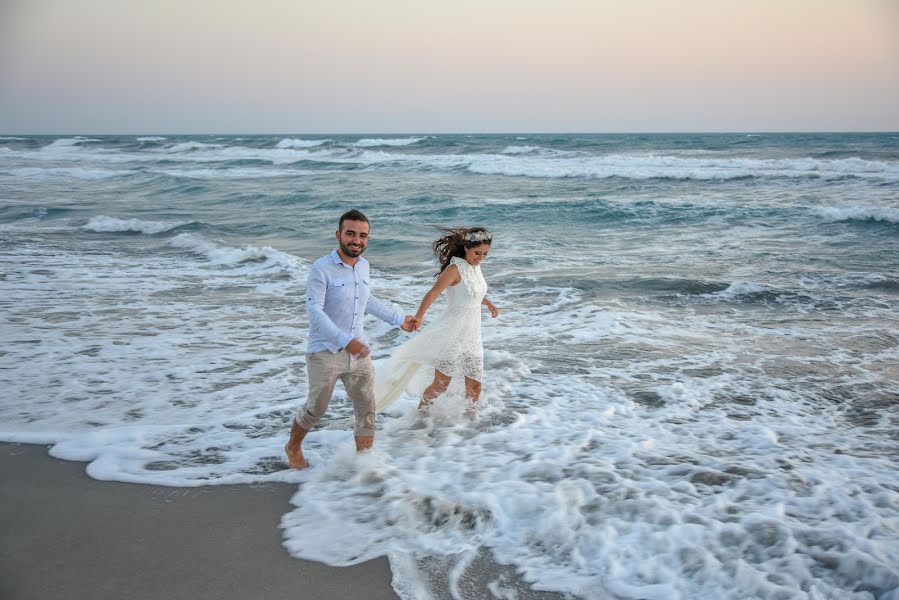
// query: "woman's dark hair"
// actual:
[[454, 242]]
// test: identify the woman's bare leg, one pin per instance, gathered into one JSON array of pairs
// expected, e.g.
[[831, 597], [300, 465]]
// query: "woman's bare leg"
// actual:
[[472, 392], [437, 387]]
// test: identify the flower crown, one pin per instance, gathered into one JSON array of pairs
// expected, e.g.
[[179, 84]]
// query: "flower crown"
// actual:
[[478, 236]]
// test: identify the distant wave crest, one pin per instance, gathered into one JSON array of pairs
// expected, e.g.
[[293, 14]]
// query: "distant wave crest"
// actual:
[[672, 167], [230, 256], [104, 224], [520, 149], [191, 146], [513, 160], [739, 289], [64, 146], [369, 142], [860, 213], [297, 143]]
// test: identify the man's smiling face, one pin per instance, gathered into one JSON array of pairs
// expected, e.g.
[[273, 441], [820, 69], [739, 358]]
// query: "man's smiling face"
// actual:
[[353, 238]]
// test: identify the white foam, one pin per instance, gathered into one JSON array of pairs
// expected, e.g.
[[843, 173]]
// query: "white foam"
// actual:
[[176, 370], [263, 258], [674, 167], [584, 496], [520, 149], [191, 146], [152, 138], [369, 142], [737, 289], [9, 138], [859, 213], [121, 361], [523, 161], [70, 142], [62, 148], [556, 164], [68, 150], [104, 224], [210, 153], [539, 151], [298, 143]]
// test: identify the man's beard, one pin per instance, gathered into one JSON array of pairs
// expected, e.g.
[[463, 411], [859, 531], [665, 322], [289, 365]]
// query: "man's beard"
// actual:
[[350, 252]]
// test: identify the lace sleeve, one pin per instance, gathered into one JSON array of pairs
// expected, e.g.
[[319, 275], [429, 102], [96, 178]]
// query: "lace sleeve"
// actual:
[[461, 264]]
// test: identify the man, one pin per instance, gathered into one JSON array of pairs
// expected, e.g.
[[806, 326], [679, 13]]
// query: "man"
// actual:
[[338, 296]]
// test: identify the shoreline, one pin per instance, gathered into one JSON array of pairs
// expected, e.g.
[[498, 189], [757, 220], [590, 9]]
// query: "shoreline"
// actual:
[[66, 535]]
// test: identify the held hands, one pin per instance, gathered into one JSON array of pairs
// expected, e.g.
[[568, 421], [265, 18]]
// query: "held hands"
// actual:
[[410, 324], [358, 349]]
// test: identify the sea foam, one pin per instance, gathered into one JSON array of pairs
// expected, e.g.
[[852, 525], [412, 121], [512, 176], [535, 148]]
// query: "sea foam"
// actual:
[[266, 256], [192, 146], [106, 224], [369, 142], [859, 213], [297, 143]]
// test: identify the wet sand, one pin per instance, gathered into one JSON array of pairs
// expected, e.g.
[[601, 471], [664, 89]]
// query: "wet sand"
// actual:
[[65, 535]]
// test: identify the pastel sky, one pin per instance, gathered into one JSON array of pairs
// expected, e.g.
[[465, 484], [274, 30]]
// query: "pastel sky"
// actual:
[[429, 66]]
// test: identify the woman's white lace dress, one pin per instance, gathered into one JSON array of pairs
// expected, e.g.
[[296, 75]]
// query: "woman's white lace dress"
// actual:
[[451, 343]]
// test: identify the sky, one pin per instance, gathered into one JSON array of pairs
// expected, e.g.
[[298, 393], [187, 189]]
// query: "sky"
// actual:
[[448, 66]]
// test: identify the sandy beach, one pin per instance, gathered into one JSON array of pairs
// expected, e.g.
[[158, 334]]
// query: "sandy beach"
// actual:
[[67, 536]]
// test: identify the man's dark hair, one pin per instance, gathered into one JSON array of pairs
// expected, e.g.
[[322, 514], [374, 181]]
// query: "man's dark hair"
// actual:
[[351, 215]]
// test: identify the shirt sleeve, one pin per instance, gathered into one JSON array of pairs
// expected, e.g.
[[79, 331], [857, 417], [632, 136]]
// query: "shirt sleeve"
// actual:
[[383, 311], [316, 286]]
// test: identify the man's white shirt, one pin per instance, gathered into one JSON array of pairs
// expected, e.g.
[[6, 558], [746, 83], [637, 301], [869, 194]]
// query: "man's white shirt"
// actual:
[[338, 296]]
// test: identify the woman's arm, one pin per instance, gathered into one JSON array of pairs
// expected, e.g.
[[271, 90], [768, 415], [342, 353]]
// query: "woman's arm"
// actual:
[[494, 310], [450, 276]]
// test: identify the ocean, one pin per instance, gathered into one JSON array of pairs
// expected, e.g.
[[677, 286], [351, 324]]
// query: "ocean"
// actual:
[[692, 390]]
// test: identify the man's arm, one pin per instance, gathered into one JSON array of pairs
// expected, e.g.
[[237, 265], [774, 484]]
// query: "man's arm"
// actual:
[[316, 286], [383, 311]]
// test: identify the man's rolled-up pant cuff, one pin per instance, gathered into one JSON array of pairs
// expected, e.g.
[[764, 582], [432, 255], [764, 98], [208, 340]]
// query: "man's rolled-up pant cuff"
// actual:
[[303, 423]]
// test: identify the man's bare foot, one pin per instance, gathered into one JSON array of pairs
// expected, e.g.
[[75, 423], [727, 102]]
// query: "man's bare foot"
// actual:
[[294, 447], [295, 457], [364, 442]]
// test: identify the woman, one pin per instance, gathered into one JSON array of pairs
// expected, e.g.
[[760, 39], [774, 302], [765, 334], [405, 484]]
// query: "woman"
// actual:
[[451, 345]]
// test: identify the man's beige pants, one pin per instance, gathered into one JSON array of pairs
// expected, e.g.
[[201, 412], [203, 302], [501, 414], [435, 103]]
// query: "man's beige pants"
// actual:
[[358, 376]]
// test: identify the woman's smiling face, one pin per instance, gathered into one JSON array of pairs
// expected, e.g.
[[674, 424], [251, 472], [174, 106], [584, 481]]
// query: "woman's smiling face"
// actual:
[[476, 254]]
